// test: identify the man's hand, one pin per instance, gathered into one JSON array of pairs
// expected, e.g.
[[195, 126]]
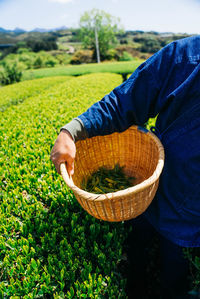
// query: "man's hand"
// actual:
[[64, 150]]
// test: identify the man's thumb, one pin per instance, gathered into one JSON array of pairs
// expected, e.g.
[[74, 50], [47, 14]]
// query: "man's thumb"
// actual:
[[70, 168]]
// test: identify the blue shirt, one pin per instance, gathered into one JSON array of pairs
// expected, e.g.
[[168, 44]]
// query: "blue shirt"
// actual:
[[167, 84]]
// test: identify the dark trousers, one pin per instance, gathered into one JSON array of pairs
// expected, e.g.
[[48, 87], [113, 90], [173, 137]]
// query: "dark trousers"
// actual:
[[173, 267]]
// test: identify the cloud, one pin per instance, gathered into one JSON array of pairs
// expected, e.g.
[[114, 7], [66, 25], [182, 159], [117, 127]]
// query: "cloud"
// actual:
[[61, 1]]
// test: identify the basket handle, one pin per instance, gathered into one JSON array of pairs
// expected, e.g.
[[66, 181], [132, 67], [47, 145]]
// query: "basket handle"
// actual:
[[68, 179]]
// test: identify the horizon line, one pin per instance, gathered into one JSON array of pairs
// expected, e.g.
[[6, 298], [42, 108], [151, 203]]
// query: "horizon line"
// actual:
[[74, 27]]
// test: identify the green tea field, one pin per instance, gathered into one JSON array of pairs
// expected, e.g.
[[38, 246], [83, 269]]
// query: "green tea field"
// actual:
[[49, 246], [112, 67]]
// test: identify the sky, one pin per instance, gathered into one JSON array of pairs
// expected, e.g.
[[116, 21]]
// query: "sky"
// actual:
[[178, 16]]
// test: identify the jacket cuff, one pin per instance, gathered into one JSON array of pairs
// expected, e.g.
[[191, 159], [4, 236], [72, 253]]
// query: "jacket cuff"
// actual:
[[76, 129]]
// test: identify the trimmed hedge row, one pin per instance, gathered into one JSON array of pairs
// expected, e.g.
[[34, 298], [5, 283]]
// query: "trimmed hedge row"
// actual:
[[49, 246], [17, 93], [123, 68]]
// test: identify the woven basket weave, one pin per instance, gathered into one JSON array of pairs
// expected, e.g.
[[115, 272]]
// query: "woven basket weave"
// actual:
[[142, 155]]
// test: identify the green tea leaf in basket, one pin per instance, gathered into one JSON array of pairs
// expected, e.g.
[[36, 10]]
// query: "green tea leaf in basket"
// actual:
[[106, 180]]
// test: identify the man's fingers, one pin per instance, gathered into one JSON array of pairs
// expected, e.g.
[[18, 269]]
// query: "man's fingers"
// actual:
[[70, 166], [64, 151], [57, 166], [55, 161]]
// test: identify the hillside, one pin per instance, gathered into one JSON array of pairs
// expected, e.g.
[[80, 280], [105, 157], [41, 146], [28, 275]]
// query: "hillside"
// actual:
[[138, 41]]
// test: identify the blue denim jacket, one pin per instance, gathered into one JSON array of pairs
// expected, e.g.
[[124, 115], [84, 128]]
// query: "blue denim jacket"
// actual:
[[167, 84]]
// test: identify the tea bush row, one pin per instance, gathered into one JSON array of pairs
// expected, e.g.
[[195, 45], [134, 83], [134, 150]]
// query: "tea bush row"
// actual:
[[17, 93], [77, 70], [49, 246]]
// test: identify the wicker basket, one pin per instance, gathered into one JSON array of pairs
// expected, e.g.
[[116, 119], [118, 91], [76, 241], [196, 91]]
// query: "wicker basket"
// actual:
[[142, 155]]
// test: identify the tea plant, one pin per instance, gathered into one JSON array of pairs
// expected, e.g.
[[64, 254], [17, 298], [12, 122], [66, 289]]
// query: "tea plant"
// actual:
[[77, 70], [17, 93], [49, 246]]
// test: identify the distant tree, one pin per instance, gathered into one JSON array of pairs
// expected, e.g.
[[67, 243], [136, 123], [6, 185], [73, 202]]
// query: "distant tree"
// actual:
[[23, 50], [39, 45], [123, 41], [38, 63], [10, 73], [148, 43], [150, 46], [126, 56], [82, 56], [98, 29], [75, 36], [21, 44], [50, 61]]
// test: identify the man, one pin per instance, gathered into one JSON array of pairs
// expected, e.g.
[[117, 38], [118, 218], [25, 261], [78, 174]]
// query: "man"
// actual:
[[167, 85]]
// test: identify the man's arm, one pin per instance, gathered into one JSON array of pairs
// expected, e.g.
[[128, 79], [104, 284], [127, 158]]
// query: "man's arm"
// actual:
[[133, 102], [130, 103]]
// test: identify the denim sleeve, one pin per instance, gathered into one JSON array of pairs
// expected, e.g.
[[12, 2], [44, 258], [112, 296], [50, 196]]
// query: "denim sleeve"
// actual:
[[134, 101]]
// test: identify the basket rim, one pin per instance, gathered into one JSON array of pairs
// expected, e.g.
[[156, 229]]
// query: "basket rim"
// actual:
[[131, 190]]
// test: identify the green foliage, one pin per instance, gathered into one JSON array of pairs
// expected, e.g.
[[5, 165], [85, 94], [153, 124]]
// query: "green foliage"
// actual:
[[47, 44], [151, 123], [126, 57], [112, 55], [33, 41], [37, 63], [106, 26], [82, 56], [151, 42], [193, 255], [106, 180], [133, 50], [49, 246], [62, 58], [44, 60], [150, 46], [114, 67], [10, 73], [50, 62], [30, 60], [140, 40], [23, 50], [17, 93]]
